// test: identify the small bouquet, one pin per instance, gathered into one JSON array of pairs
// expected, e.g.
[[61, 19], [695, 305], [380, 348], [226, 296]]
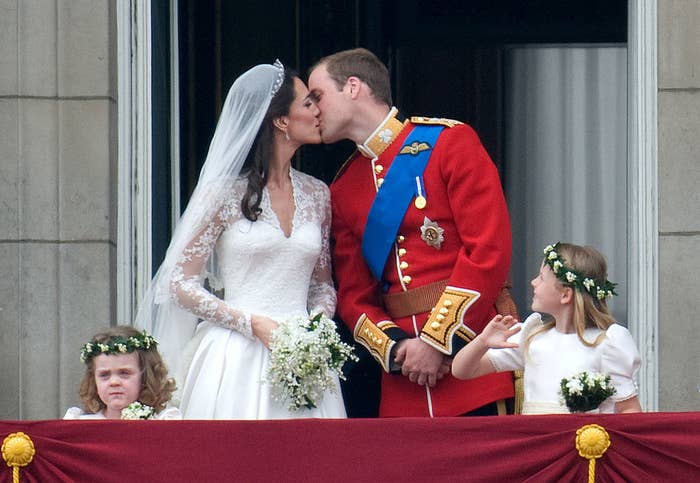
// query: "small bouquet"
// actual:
[[584, 392], [303, 354], [137, 410]]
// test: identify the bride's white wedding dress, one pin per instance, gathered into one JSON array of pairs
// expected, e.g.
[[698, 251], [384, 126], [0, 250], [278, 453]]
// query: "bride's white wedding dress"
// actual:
[[262, 271]]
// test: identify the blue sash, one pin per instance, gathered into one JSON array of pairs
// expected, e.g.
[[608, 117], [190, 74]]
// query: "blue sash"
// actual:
[[394, 196]]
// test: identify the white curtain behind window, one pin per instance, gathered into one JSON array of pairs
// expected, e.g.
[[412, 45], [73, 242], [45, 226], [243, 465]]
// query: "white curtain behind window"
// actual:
[[566, 157]]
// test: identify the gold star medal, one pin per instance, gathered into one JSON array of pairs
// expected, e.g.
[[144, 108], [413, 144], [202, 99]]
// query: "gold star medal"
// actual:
[[431, 233]]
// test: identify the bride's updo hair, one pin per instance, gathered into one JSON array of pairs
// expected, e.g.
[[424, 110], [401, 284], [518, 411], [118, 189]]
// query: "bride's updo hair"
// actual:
[[256, 166]]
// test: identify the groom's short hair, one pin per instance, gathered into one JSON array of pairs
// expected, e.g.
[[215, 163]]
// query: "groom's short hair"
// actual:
[[362, 64]]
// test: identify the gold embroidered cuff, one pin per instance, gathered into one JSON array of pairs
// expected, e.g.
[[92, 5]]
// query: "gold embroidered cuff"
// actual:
[[377, 342], [446, 319]]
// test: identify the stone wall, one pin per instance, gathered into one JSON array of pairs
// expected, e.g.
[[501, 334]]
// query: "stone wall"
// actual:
[[679, 204], [57, 196]]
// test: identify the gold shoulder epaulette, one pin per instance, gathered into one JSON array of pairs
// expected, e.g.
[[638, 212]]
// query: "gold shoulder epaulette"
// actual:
[[435, 120]]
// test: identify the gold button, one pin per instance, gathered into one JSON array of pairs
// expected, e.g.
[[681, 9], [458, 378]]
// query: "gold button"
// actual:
[[447, 303], [435, 325], [444, 311], [380, 182], [439, 317], [406, 279], [403, 265], [378, 168], [400, 238], [402, 252]]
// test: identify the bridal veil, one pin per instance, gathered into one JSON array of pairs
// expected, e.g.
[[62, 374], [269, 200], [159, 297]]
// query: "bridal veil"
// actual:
[[245, 107]]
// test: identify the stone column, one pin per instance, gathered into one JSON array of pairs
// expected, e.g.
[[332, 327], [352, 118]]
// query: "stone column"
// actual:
[[679, 205], [57, 196]]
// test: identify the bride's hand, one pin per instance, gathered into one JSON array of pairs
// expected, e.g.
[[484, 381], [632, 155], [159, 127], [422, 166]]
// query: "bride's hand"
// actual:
[[262, 328]]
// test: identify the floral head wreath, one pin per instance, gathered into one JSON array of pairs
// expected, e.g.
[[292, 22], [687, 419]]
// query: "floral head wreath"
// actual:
[[117, 345], [598, 289]]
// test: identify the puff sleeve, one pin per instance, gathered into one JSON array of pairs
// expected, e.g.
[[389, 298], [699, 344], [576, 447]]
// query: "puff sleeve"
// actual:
[[73, 413], [169, 414], [621, 360]]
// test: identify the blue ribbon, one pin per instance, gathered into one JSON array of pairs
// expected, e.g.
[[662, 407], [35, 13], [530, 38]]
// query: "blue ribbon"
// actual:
[[395, 195]]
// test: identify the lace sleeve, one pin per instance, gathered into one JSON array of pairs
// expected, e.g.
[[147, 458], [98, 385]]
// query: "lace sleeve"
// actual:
[[187, 290], [322, 296]]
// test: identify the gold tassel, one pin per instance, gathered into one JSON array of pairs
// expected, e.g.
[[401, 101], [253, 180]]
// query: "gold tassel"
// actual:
[[519, 384], [591, 442], [17, 450]]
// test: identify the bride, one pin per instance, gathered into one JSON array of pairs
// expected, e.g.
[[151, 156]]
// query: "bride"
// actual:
[[258, 229]]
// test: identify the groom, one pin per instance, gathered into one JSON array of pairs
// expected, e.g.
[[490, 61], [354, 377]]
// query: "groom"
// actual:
[[422, 240]]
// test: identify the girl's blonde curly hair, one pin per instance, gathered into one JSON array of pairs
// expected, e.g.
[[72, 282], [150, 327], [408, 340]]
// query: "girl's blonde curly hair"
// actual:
[[156, 387]]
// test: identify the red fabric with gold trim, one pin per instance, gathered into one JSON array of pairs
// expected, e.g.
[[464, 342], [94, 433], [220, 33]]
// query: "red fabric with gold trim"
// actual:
[[647, 447], [465, 199]]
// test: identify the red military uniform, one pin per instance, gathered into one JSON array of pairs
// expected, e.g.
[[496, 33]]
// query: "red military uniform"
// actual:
[[453, 255]]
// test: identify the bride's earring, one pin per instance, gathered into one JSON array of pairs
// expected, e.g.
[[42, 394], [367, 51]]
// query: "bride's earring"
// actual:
[[286, 135]]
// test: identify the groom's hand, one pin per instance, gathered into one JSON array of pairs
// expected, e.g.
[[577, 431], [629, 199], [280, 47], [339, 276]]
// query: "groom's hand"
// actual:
[[421, 363]]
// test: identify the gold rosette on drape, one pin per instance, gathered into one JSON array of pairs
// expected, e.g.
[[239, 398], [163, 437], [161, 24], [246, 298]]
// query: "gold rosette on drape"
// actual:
[[591, 442], [17, 450]]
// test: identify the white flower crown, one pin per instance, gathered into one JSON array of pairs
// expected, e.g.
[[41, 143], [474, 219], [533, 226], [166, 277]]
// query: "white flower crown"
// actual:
[[117, 345], [571, 278]]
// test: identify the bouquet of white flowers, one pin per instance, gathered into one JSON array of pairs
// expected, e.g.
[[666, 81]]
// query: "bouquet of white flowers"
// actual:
[[584, 392], [303, 354], [137, 410]]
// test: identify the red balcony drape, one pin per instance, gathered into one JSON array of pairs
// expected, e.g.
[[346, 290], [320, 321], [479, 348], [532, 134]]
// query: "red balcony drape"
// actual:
[[644, 447]]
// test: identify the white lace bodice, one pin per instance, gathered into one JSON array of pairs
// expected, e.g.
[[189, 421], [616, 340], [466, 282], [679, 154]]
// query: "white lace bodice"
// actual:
[[261, 270]]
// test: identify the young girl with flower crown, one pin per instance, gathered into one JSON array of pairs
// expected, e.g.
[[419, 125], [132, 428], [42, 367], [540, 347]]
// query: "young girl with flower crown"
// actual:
[[572, 288], [125, 378]]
